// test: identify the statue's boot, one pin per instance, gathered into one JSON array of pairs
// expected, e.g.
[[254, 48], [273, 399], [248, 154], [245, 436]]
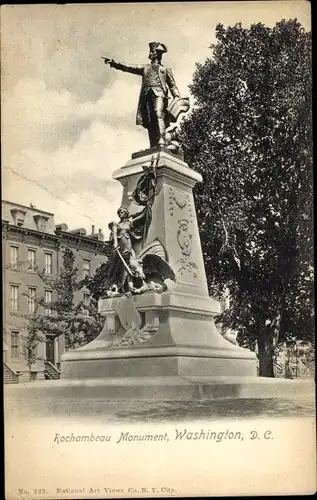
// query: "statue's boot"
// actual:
[[161, 131]]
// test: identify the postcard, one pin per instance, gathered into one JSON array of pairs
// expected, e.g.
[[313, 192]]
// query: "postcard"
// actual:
[[157, 237]]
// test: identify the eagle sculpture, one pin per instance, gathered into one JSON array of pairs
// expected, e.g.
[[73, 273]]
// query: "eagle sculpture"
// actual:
[[151, 271]]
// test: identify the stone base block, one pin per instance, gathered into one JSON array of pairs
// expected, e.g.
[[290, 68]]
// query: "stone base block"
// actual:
[[157, 366]]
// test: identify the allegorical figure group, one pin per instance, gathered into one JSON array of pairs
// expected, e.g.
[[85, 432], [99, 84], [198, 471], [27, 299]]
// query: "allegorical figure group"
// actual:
[[127, 272]]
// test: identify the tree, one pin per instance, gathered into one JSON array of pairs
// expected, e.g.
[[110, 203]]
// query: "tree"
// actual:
[[31, 340], [97, 284], [249, 135], [77, 320]]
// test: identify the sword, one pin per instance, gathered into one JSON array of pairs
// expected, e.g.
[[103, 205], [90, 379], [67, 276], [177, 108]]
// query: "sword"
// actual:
[[123, 261]]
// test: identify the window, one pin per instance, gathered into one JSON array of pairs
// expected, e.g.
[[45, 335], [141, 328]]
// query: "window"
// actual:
[[48, 263], [41, 222], [86, 303], [14, 257], [48, 300], [15, 344], [86, 268], [31, 300], [14, 297], [31, 260], [18, 216]]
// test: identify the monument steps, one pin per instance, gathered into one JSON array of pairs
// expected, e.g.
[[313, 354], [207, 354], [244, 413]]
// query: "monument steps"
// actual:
[[172, 388]]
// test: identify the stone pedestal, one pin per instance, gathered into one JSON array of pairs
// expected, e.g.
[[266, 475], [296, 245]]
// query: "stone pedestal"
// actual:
[[184, 341], [174, 222]]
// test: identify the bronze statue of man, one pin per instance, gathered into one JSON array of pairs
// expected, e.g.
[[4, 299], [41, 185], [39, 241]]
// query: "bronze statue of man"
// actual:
[[156, 81]]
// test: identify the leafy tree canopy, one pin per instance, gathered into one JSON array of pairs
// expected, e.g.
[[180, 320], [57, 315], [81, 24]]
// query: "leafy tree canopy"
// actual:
[[67, 314], [250, 136]]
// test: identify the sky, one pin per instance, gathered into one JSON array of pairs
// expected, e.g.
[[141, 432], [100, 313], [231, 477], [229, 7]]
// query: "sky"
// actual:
[[68, 121]]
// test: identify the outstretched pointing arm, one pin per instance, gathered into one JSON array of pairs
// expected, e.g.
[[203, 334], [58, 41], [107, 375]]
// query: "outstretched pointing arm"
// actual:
[[136, 70]]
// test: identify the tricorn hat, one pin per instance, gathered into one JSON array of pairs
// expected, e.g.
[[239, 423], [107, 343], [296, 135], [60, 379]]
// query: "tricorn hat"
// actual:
[[161, 47]]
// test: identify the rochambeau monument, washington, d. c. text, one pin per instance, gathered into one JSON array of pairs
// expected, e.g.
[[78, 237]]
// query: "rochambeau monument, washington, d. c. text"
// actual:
[[159, 339]]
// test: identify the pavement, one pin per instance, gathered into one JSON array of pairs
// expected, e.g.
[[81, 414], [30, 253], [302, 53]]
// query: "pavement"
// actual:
[[157, 411]]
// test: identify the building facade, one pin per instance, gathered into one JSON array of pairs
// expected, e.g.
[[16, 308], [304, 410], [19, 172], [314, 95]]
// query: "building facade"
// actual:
[[31, 241]]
